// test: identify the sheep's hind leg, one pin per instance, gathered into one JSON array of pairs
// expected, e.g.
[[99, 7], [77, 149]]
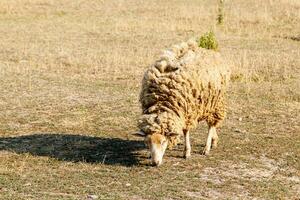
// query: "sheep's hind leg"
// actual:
[[215, 139], [187, 144], [212, 139]]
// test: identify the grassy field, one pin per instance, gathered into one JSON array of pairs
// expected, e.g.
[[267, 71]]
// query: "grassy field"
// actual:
[[70, 74]]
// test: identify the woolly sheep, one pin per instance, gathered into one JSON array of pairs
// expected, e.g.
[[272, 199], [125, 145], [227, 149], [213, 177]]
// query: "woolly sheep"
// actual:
[[185, 86]]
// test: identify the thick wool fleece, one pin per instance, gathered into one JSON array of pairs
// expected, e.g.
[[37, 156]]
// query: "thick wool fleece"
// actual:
[[186, 85]]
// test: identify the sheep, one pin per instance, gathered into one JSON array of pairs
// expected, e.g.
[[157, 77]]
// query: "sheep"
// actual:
[[185, 86]]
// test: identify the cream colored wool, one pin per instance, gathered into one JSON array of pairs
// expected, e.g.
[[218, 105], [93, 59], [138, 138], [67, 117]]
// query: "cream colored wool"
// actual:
[[186, 85]]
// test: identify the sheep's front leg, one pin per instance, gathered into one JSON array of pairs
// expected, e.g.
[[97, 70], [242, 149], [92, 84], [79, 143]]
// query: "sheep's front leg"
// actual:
[[212, 140], [187, 145]]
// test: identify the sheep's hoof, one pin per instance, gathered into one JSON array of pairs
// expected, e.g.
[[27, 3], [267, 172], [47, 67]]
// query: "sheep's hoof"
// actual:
[[214, 143], [205, 152], [187, 155]]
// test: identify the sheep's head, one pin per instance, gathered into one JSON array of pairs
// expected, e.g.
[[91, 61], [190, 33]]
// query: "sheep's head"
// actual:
[[157, 144], [159, 131]]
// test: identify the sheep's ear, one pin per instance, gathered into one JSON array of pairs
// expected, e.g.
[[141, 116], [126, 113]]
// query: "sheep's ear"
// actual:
[[172, 134], [140, 134]]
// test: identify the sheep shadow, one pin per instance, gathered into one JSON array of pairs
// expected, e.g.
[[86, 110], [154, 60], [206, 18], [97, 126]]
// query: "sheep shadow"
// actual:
[[76, 148]]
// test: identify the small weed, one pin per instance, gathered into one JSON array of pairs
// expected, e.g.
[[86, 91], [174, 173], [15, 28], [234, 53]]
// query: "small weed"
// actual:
[[220, 18], [238, 77]]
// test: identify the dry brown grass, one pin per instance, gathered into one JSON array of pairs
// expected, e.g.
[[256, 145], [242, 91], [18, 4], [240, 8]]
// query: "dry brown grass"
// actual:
[[70, 73]]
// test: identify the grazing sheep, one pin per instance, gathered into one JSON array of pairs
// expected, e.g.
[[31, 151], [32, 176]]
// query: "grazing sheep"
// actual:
[[185, 86]]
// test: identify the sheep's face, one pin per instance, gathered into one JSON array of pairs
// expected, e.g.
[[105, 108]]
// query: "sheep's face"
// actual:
[[157, 144]]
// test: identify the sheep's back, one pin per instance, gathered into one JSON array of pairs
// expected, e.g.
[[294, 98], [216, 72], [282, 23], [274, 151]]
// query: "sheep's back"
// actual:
[[188, 81]]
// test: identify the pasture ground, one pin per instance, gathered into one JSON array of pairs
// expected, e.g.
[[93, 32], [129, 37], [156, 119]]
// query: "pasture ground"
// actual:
[[70, 74]]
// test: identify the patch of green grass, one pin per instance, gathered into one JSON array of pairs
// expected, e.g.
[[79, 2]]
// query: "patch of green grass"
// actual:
[[208, 41]]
